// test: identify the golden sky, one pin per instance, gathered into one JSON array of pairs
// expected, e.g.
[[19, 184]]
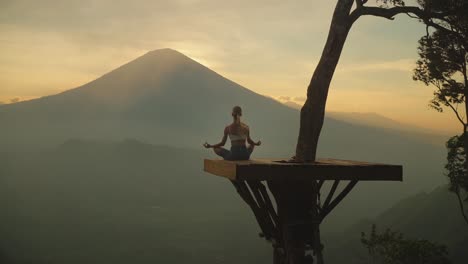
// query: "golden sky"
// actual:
[[268, 46]]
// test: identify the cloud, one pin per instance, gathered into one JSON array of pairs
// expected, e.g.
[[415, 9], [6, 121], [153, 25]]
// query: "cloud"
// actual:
[[269, 46], [81, 40], [143, 23], [404, 65], [292, 99], [289, 101], [293, 105], [299, 99]]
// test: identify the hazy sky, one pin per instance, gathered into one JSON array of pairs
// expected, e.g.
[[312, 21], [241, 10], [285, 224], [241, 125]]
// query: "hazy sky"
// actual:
[[269, 46]]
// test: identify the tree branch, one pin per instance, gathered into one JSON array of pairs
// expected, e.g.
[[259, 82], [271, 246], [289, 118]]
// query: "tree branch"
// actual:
[[360, 3], [460, 202], [390, 13], [453, 108], [456, 34], [456, 113], [411, 11], [412, 16]]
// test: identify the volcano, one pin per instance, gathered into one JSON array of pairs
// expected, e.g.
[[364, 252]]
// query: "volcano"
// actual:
[[166, 98]]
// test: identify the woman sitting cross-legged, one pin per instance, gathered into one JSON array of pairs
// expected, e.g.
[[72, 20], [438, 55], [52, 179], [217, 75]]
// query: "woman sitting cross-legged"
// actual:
[[239, 133]]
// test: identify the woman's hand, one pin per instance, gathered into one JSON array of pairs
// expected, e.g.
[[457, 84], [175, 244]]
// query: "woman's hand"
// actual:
[[206, 145], [258, 143]]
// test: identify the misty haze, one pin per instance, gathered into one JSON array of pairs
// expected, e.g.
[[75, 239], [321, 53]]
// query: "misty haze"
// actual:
[[112, 171]]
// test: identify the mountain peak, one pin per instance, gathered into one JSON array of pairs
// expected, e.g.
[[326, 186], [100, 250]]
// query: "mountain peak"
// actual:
[[163, 59], [165, 52]]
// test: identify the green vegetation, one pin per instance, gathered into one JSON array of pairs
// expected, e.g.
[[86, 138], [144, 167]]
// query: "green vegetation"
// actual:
[[456, 170], [391, 247], [108, 200], [442, 64], [131, 202]]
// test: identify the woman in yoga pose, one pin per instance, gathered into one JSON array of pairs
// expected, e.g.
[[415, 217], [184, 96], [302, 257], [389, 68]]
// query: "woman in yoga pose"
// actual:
[[238, 132]]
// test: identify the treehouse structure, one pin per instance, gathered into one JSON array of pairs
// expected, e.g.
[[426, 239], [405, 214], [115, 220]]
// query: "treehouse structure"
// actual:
[[285, 197]]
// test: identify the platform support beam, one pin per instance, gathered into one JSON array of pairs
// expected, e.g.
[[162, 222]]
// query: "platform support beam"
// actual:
[[291, 219], [285, 197]]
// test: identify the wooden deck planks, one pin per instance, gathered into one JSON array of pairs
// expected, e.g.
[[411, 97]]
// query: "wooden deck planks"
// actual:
[[322, 169]]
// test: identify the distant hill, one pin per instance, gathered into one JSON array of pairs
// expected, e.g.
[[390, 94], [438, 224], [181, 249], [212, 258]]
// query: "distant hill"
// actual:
[[131, 202], [434, 216], [376, 120], [121, 202], [380, 121], [164, 97]]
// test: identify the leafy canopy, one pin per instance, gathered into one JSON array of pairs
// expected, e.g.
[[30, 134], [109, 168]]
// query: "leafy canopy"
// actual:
[[391, 247]]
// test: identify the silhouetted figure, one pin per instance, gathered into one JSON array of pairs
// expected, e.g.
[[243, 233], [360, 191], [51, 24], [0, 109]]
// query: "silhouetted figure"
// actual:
[[239, 133]]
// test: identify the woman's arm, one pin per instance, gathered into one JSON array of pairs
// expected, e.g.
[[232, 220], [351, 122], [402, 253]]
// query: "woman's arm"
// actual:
[[250, 141], [220, 144]]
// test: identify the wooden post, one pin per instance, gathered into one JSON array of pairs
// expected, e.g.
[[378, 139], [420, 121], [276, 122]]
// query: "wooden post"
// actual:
[[293, 225], [298, 219]]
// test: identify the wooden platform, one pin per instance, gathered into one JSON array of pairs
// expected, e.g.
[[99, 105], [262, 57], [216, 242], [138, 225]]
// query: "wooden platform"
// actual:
[[323, 169]]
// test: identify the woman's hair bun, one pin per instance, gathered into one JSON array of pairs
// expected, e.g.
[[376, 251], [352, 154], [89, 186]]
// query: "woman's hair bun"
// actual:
[[237, 110]]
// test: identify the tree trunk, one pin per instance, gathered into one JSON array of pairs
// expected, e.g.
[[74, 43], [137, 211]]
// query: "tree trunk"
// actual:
[[460, 203], [296, 201], [313, 111], [465, 140]]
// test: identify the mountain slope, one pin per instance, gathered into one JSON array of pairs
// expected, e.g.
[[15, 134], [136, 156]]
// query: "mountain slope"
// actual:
[[434, 216], [157, 97], [379, 121], [121, 202], [164, 97], [370, 119]]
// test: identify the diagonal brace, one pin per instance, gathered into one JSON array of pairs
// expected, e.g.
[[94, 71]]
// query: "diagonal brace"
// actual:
[[328, 208]]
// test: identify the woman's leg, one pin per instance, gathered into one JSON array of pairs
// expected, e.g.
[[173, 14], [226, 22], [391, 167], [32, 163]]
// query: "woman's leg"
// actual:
[[250, 148], [248, 151], [222, 152]]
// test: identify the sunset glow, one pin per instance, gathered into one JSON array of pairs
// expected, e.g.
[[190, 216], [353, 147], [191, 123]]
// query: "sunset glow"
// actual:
[[270, 47]]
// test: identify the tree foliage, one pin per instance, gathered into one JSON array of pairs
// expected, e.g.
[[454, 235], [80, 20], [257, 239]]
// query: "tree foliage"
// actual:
[[391, 247], [442, 64], [456, 170], [456, 164], [434, 13]]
